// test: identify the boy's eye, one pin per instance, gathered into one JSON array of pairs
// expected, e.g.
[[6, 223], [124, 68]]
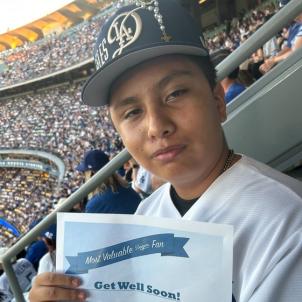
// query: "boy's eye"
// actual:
[[132, 113], [175, 94]]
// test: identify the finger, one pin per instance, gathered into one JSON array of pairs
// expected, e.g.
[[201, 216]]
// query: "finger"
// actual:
[[47, 293], [55, 279]]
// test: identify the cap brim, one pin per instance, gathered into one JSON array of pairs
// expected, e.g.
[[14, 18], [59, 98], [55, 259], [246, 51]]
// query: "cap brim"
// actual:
[[81, 167], [95, 90]]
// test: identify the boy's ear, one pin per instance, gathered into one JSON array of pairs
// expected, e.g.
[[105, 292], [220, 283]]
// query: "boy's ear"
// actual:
[[218, 93]]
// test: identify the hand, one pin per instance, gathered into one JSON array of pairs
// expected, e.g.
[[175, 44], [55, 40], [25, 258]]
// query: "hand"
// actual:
[[267, 65], [56, 287]]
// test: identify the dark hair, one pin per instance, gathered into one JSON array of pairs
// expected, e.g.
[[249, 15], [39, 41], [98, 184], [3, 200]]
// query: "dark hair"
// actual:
[[50, 242], [218, 56], [234, 74], [207, 67]]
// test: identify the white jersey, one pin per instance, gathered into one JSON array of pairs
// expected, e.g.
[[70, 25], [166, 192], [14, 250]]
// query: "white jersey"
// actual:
[[265, 208], [24, 271], [143, 180], [47, 263]]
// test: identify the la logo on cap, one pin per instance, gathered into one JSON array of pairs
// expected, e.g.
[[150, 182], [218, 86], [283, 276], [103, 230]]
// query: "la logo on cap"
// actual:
[[122, 33], [125, 29]]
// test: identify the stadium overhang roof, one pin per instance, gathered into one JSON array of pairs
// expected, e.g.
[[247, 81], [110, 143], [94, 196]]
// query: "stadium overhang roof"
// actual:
[[68, 16]]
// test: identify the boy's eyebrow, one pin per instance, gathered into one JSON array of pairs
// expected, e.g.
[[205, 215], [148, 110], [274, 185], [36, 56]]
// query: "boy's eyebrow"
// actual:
[[124, 102], [171, 76], [161, 84]]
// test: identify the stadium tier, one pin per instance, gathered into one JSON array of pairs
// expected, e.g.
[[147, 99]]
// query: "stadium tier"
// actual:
[[56, 122], [25, 196], [75, 45]]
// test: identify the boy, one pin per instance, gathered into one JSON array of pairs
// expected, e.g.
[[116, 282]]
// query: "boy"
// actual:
[[154, 72]]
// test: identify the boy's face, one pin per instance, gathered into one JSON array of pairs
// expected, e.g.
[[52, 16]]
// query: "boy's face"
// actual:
[[169, 118]]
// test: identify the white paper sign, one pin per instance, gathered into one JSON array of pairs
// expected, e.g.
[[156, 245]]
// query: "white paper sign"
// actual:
[[133, 258]]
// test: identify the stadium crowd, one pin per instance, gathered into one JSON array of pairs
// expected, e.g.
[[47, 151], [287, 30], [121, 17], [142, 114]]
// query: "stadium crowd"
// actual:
[[53, 53], [232, 33], [23, 193], [53, 121], [75, 45]]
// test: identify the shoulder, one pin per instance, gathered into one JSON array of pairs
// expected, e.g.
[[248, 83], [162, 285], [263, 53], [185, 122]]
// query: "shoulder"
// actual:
[[23, 262], [272, 177], [125, 201], [99, 197], [94, 203], [23, 265], [238, 87], [127, 191], [267, 219], [126, 195], [264, 190], [36, 249], [233, 91]]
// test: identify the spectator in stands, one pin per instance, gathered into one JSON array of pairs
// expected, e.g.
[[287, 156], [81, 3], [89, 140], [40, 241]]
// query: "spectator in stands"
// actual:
[[3, 297], [231, 85], [130, 168], [24, 194], [56, 122], [294, 42], [115, 195], [171, 124], [54, 52], [48, 261], [271, 47], [24, 271], [35, 252], [37, 249], [142, 182]]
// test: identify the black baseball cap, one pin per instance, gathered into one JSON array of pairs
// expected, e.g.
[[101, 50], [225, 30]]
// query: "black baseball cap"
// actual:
[[136, 33], [93, 160]]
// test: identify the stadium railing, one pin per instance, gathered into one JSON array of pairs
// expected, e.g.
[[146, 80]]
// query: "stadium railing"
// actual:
[[269, 29], [264, 122]]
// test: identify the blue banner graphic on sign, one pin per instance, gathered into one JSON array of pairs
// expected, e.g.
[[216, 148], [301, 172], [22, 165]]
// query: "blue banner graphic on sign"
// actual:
[[165, 244]]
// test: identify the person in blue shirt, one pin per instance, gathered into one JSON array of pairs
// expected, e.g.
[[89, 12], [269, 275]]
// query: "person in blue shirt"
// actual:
[[37, 249], [294, 42], [230, 84], [115, 196]]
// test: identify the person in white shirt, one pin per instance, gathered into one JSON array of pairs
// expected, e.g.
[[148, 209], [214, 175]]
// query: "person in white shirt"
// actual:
[[48, 261], [24, 271], [165, 103]]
